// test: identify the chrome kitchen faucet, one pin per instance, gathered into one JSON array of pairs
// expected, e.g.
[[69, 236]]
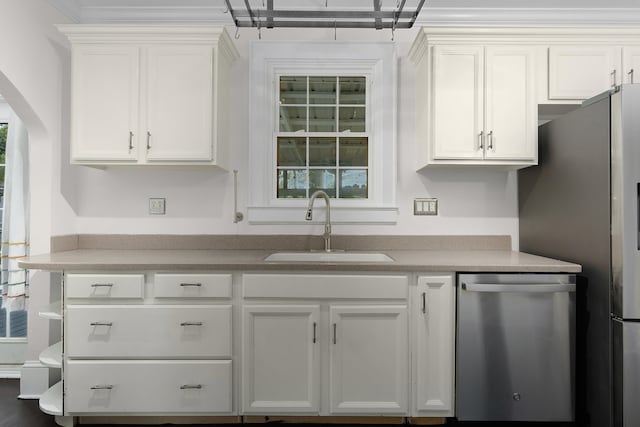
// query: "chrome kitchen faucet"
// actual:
[[327, 223]]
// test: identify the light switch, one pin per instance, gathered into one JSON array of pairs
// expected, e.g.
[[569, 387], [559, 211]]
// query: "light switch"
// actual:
[[425, 206], [156, 206]]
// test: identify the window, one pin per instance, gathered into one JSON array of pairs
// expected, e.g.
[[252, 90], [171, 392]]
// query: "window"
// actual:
[[13, 324], [322, 139], [322, 117]]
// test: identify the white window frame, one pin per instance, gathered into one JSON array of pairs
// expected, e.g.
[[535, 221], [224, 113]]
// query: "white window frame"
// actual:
[[378, 62]]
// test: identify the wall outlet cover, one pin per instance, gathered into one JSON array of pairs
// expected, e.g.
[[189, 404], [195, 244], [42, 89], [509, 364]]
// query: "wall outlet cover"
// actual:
[[157, 206], [425, 206]]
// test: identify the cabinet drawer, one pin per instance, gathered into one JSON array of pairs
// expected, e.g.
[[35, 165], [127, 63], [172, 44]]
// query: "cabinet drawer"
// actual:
[[192, 286], [104, 286], [324, 286], [148, 331], [148, 386]]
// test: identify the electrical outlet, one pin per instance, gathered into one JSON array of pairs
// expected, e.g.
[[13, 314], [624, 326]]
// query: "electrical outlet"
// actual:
[[425, 206], [156, 206]]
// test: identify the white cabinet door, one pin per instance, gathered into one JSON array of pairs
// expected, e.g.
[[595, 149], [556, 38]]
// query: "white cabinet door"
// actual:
[[104, 103], [457, 102], [580, 72], [281, 359], [369, 359], [511, 114], [179, 90], [631, 64], [433, 346]]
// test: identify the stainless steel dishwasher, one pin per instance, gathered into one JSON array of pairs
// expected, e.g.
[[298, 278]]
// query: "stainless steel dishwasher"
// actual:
[[515, 348]]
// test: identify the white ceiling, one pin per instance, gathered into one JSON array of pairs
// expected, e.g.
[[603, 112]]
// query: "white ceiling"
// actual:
[[433, 11]]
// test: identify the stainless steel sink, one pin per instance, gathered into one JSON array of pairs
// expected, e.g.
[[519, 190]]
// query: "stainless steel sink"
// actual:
[[328, 257]]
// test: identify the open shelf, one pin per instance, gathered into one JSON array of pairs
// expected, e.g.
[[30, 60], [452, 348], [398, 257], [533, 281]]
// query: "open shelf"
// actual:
[[52, 356], [51, 400], [52, 311]]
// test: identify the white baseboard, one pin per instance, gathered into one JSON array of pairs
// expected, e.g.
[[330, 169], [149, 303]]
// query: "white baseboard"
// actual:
[[10, 371], [34, 380]]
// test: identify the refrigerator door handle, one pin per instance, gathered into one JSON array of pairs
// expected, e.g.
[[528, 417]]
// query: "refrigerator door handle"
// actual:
[[522, 288]]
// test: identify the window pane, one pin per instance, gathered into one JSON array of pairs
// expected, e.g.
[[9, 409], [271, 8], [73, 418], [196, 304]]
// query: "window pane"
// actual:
[[354, 152], [292, 151], [352, 118], [292, 183], [322, 151], [323, 179], [353, 183], [322, 90], [293, 90], [293, 119], [353, 90], [322, 119]]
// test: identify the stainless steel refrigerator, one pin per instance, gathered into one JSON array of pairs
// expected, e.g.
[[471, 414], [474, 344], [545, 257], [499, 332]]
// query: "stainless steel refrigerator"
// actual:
[[581, 204]]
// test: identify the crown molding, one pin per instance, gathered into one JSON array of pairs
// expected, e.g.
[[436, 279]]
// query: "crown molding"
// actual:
[[201, 11]]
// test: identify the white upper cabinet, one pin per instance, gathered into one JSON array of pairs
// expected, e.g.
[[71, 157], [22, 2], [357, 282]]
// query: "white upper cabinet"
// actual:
[[179, 109], [105, 103], [476, 101], [149, 94], [511, 113], [580, 72], [457, 102]]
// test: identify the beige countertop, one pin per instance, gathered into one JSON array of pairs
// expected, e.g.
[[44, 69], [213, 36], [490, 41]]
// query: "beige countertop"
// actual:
[[234, 259]]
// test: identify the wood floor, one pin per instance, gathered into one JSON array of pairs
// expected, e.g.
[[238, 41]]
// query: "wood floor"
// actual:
[[26, 413]]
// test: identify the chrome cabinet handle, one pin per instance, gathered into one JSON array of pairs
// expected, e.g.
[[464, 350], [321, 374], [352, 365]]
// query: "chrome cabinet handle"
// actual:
[[191, 387], [191, 324], [335, 327], [184, 285], [102, 387], [102, 285], [101, 323], [481, 140], [314, 332], [130, 140], [630, 74], [490, 135], [148, 140], [613, 79], [424, 303]]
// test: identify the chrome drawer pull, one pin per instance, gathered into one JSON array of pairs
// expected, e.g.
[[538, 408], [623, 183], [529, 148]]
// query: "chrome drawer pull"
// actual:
[[424, 303], [101, 323], [191, 284], [191, 324], [102, 285], [102, 387], [191, 387]]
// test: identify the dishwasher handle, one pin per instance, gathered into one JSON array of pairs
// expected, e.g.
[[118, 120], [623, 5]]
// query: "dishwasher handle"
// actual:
[[521, 288]]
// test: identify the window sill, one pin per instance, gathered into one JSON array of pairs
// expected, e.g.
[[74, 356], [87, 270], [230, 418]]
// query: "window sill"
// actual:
[[387, 215]]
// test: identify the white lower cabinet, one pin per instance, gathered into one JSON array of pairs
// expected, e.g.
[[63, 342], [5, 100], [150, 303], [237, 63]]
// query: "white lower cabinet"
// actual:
[[433, 346], [148, 344], [281, 362], [148, 386], [343, 344], [149, 331], [369, 359], [329, 355]]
